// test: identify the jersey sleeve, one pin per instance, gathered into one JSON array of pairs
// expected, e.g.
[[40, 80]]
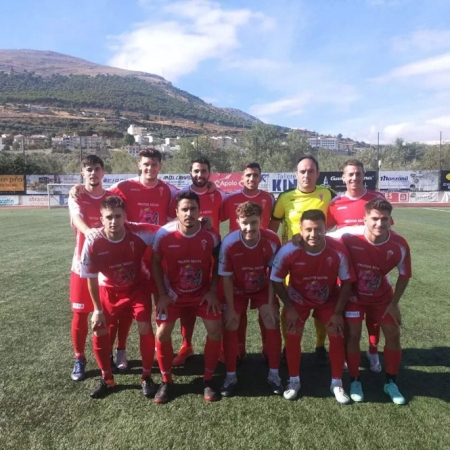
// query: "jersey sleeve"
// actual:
[[145, 231], [74, 208], [158, 240], [346, 271], [88, 267], [404, 266], [280, 264], [331, 222], [225, 263], [275, 245]]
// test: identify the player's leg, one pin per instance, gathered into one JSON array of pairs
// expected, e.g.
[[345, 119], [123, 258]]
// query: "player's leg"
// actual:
[[262, 329], [142, 312], [354, 315], [294, 352], [242, 335], [231, 350], [123, 330], [213, 325], [321, 352], [337, 353], [273, 344], [81, 305], [373, 329], [187, 325], [392, 358]]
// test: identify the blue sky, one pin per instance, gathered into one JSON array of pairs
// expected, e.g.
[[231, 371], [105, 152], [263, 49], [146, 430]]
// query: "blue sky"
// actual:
[[356, 67]]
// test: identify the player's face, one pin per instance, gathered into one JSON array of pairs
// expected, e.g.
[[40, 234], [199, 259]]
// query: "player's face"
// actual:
[[249, 227], [150, 168], [93, 175], [251, 179], [114, 221], [188, 212], [377, 224], [353, 177], [313, 235], [307, 175], [200, 174]]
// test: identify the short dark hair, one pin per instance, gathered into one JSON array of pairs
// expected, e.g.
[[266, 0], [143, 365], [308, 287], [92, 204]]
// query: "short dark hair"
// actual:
[[90, 160], [150, 153], [314, 215], [187, 195], [248, 209], [252, 165], [378, 203], [353, 162], [314, 160], [201, 160], [111, 202]]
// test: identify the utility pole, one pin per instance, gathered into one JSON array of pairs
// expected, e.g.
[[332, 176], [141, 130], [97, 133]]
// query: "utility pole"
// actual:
[[81, 157], [378, 162], [440, 151]]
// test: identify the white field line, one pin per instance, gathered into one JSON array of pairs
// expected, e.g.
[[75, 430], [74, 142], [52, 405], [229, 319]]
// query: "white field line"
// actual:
[[436, 209]]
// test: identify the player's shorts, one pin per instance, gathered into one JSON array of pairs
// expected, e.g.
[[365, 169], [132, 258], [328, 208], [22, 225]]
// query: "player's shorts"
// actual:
[[242, 302], [185, 308], [80, 298], [323, 313], [117, 304], [355, 312]]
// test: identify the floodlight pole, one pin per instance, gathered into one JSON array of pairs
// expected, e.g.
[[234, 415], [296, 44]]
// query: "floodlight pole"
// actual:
[[378, 161], [440, 151]]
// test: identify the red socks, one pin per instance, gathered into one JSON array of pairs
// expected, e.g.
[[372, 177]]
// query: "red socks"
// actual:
[[147, 347], [211, 355], [230, 349], [374, 335], [273, 347], [293, 353], [187, 324], [242, 333], [80, 329], [164, 354], [102, 350], [392, 360], [337, 356]]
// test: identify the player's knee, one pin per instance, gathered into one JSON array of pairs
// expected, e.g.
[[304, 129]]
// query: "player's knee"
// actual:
[[215, 333], [392, 335], [101, 332], [163, 334], [144, 328]]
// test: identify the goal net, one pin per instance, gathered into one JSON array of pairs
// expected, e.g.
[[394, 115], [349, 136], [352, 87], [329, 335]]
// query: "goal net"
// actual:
[[58, 194]]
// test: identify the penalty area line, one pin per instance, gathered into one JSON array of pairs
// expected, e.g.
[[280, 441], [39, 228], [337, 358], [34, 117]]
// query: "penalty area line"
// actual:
[[436, 209]]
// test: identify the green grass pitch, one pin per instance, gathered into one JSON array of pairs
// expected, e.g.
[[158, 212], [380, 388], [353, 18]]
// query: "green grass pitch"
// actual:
[[41, 408]]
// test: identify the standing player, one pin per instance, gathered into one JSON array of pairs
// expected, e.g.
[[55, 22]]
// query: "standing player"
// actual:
[[347, 209], [251, 178], [375, 251], [188, 283], [112, 263], [289, 207], [313, 270], [85, 218], [245, 257], [210, 206]]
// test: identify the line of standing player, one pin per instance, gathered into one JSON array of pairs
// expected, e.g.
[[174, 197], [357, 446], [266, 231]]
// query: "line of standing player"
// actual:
[[200, 176]]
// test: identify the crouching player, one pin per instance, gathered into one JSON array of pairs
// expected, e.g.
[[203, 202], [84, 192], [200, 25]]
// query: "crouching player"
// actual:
[[112, 263], [244, 260], [313, 269], [187, 285], [375, 251]]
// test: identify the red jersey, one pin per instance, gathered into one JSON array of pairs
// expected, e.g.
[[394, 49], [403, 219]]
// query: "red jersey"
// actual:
[[187, 260], [145, 204], [373, 262], [347, 211], [265, 199], [210, 205], [248, 265], [313, 276], [118, 264], [88, 208]]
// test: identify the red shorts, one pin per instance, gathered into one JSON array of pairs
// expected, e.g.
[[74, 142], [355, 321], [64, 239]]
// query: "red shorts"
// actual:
[[80, 298], [257, 300], [320, 312], [355, 312], [117, 304], [185, 308]]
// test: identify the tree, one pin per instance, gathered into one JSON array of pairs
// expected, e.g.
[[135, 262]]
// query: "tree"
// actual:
[[128, 139], [122, 162]]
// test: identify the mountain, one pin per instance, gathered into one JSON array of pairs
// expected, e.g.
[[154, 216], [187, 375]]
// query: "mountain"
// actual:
[[52, 79]]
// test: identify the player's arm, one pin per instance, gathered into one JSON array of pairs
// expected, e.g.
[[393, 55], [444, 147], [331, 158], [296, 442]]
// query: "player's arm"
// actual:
[[393, 309], [274, 225], [230, 315], [76, 190], [98, 318], [164, 299], [337, 319], [211, 296], [277, 215], [291, 314], [79, 223]]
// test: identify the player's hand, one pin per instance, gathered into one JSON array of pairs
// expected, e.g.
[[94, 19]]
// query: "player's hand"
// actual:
[[394, 311], [92, 233], [213, 303], [291, 318], [272, 314], [162, 307], [76, 190], [206, 222], [230, 318], [297, 240], [336, 324], [98, 321], [211, 187]]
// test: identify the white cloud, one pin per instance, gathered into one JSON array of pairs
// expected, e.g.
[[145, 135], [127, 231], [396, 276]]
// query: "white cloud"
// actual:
[[201, 30], [422, 40], [443, 121]]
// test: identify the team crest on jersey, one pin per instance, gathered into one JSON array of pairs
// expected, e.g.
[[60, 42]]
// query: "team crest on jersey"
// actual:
[[368, 282], [190, 277], [204, 242], [389, 253], [317, 292], [253, 281], [329, 261]]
